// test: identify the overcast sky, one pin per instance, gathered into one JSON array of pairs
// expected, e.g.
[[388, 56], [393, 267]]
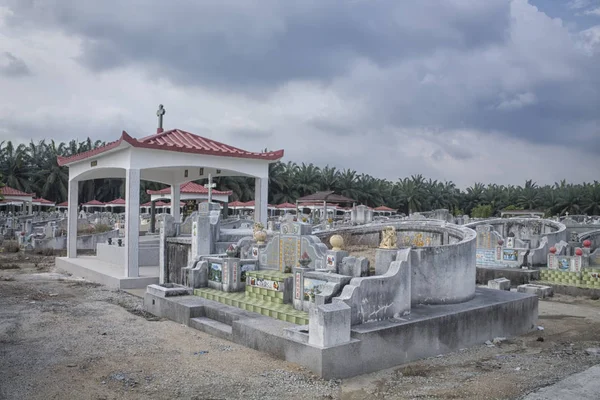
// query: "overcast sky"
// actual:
[[463, 90]]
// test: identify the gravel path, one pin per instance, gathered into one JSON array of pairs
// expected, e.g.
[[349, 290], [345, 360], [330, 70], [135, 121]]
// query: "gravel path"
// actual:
[[62, 338]]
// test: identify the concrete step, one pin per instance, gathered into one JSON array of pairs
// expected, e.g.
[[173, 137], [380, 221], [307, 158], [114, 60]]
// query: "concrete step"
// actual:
[[284, 312], [212, 327]]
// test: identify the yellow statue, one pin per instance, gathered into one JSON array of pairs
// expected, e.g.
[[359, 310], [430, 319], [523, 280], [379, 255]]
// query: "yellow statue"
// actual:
[[389, 238]]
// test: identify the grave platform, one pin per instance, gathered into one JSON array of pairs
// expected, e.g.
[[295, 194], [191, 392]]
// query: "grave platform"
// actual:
[[429, 330], [252, 300], [517, 276], [105, 273]]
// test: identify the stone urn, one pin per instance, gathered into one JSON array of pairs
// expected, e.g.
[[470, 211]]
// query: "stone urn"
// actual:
[[304, 260], [336, 242], [231, 251], [260, 236]]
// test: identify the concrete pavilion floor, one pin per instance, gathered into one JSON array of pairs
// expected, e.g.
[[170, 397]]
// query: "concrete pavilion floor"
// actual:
[[111, 275]]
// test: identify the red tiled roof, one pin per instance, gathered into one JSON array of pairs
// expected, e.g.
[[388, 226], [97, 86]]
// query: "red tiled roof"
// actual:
[[43, 201], [93, 203], [8, 191], [176, 140], [190, 187], [286, 205], [318, 204], [116, 202], [157, 204], [63, 204], [236, 204], [383, 208]]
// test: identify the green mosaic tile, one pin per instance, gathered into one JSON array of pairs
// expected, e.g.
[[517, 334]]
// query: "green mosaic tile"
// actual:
[[250, 301]]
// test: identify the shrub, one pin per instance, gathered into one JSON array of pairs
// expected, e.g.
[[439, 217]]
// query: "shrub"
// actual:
[[45, 252], [11, 246], [482, 211], [100, 228]]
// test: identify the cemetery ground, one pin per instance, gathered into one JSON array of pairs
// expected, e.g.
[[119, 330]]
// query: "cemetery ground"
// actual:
[[65, 338]]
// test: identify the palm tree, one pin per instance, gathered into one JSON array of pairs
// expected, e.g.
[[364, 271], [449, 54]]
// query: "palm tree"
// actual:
[[307, 179], [412, 194], [529, 197], [591, 198], [53, 180], [14, 167], [329, 178]]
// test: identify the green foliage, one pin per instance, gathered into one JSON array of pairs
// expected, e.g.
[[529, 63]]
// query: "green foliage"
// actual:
[[34, 168], [512, 207], [482, 211]]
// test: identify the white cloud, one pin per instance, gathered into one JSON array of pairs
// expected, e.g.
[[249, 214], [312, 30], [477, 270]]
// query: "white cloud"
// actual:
[[519, 101], [578, 4], [594, 11]]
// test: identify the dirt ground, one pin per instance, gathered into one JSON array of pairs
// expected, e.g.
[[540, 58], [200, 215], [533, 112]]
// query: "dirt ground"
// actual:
[[64, 338]]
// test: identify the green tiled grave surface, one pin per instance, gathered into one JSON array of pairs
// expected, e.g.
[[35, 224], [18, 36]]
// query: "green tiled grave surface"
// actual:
[[250, 301], [583, 279], [272, 275], [259, 293]]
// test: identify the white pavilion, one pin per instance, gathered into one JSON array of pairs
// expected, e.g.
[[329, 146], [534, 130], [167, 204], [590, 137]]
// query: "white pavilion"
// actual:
[[173, 157], [13, 197]]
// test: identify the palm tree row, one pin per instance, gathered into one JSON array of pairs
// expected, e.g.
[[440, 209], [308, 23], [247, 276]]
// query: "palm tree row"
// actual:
[[34, 168]]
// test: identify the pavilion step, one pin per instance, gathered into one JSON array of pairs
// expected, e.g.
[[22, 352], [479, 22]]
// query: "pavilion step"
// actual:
[[212, 327]]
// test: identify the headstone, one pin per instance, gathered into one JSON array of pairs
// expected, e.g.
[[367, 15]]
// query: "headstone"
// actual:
[[361, 215]]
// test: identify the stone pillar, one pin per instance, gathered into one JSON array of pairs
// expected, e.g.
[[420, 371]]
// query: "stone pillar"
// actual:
[[167, 230], [329, 325], [175, 200], [261, 199], [73, 199], [152, 217], [132, 222], [205, 229], [30, 208]]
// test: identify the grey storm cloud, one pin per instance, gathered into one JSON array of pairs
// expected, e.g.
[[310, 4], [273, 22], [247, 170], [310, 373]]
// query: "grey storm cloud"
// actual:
[[248, 44], [10, 65], [495, 66]]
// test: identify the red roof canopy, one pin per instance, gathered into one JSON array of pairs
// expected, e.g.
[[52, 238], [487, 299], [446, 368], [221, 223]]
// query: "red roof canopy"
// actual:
[[43, 201], [236, 204], [286, 205], [190, 187], [116, 202], [157, 204], [176, 140], [93, 203], [383, 208], [8, 191], [63, 204]]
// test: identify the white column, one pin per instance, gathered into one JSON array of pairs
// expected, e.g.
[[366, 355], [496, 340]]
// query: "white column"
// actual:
[[73, 199], [261, 200], [29, 208], [175, 200], [210, 188], [132, 222]]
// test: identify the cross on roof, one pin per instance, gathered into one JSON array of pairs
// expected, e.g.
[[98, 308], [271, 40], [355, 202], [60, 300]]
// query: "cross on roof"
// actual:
[[159, 113]]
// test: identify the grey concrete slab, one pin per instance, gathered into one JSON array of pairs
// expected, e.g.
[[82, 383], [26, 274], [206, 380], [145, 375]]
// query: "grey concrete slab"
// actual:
[[582, 386], [428, 331], [104, 273]]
